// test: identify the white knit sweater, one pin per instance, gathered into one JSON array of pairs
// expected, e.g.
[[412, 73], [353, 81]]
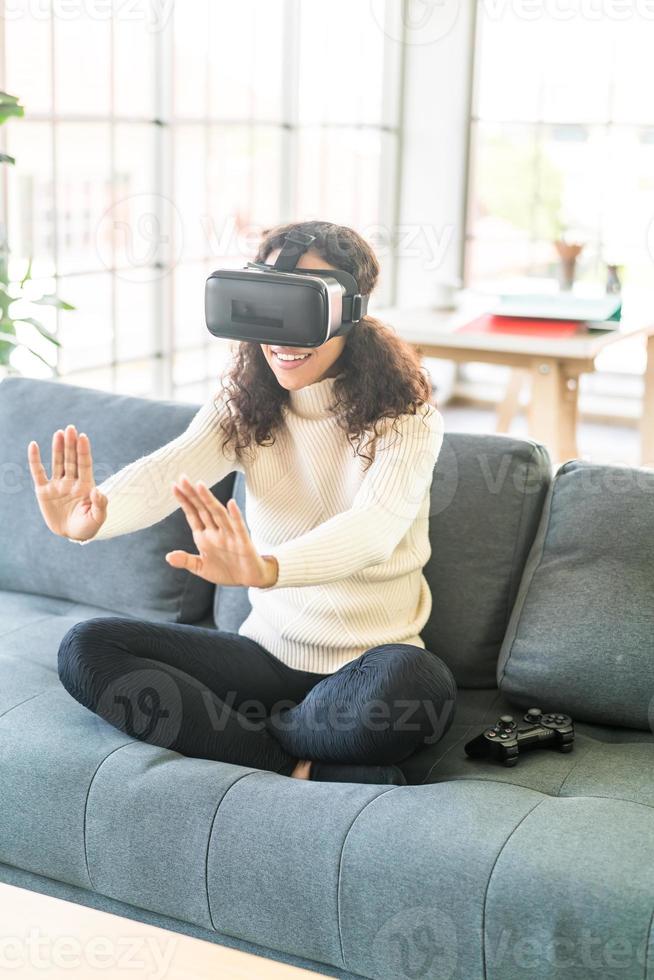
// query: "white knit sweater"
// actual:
[[350, 544]]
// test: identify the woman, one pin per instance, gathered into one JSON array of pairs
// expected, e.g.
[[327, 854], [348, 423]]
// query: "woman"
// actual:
[[337, 445]]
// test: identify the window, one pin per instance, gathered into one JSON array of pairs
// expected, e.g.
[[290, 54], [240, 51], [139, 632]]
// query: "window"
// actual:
[[562, 140], [159, 140]]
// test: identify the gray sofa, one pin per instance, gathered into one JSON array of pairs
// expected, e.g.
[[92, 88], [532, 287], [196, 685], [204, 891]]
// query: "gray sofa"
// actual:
[[543, 594]]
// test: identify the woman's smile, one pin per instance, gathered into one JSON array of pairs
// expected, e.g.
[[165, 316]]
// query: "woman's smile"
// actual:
[[289, 360]]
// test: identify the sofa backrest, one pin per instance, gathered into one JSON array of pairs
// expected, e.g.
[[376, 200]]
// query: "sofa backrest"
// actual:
[[487, 496], [127, 574]]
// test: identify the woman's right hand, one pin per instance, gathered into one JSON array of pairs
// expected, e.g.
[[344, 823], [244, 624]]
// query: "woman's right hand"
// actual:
[[71, 504]]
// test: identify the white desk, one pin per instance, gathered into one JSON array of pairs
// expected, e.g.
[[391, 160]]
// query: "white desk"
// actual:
[[553, 364]]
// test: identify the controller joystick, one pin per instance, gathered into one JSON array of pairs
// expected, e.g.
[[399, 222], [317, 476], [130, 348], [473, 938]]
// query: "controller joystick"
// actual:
[[504, 741]]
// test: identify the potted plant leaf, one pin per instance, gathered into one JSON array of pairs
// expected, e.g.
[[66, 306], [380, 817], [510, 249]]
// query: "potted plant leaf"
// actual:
[[15, 329]]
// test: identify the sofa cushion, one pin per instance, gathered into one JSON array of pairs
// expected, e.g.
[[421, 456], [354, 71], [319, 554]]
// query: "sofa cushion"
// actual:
[[487, 496], [31, 629], [127, 574], [486, 500], [581, 636]]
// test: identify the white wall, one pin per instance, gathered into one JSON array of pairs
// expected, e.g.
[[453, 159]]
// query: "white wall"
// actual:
[[436, 100]]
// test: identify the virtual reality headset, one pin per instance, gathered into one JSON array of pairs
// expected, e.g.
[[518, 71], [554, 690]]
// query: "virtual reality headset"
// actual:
[[279, 304]]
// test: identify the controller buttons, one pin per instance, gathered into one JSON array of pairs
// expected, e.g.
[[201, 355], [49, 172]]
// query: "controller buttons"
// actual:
[[533, 715], [559, 718], [491, 733], [504, 734]]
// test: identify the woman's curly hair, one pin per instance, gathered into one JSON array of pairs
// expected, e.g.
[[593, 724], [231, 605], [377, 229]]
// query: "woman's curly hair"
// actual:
[[382, 376]]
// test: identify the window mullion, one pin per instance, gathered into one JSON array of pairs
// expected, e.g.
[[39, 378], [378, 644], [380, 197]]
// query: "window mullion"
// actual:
[[164, 163], [290, 84]]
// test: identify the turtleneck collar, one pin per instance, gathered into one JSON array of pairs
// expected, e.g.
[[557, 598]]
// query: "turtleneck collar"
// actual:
[[313, 401]]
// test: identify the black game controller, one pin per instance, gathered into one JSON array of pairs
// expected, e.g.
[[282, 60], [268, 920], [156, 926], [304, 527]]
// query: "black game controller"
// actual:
[[505, 740]]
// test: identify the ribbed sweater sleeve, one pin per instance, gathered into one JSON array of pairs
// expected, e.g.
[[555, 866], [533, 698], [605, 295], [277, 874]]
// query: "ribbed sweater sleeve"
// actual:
[[382, 511], [140, 494]]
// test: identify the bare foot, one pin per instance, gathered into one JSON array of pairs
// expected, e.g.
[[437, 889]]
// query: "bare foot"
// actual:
[[302, 769]]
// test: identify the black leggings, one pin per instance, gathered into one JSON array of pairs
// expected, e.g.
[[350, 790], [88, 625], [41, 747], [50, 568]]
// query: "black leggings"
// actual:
[[218, 695]]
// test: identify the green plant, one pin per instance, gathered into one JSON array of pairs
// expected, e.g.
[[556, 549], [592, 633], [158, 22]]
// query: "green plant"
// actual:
[[13, 292], [511, 170]]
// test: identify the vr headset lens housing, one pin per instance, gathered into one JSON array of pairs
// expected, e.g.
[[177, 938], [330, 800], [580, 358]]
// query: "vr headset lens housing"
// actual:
[[279, 304]]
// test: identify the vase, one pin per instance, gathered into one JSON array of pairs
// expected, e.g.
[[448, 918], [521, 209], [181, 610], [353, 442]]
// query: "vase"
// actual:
[[568, 252]]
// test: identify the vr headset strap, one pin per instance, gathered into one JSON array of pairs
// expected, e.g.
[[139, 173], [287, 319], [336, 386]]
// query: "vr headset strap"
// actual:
[[354, 307], [295, 244]]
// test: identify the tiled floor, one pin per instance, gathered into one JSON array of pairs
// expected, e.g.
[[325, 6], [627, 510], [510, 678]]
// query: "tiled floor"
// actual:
[[598, 442]]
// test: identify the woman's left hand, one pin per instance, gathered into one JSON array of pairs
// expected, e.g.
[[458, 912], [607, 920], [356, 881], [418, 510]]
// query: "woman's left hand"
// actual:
[[227, 555]]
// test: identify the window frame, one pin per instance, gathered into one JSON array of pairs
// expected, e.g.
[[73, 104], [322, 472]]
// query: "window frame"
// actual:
[[165, 123]]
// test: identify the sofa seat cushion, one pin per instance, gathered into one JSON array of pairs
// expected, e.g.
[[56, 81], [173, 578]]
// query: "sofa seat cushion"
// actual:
[[334, 873], [581, 635], [127, 574], [606, 761], [31, 628]]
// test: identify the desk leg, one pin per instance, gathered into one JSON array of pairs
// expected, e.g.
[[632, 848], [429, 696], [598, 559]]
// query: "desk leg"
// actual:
[[508, 407], [647, 421], [553, 409]]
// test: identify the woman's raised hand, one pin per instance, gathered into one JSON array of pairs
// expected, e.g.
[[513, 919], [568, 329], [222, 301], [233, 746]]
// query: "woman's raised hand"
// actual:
[[227, 555], [70, 502]]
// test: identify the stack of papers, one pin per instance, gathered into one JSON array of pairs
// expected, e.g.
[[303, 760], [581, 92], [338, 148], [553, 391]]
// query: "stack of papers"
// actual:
[[559, 306]]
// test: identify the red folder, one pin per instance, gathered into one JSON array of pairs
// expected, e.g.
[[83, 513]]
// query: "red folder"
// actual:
[[492, 323]]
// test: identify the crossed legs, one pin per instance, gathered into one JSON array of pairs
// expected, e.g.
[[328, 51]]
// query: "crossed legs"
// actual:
[[219, 695]]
